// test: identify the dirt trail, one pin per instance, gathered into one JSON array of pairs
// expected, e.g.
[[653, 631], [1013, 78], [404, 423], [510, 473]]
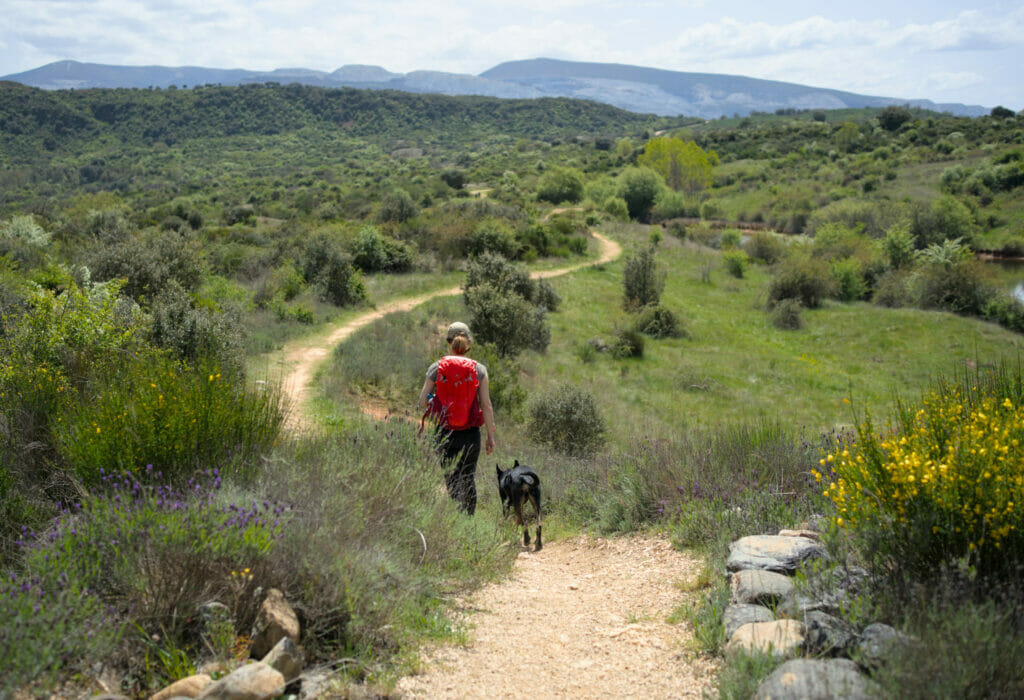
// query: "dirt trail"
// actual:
[[301, 358], [583, 618]]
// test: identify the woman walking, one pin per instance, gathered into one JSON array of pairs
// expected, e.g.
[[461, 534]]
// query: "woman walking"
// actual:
[[455, 391]]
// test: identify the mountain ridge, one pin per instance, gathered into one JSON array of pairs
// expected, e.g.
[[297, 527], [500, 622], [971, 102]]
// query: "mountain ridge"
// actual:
[[634, 88]]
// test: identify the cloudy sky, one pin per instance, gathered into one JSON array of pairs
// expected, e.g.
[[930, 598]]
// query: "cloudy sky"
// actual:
[[938, 49]]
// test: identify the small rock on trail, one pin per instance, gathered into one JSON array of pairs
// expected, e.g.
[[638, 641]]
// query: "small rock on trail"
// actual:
[[583, 618]]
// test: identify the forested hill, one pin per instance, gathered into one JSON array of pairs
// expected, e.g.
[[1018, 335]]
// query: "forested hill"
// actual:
[[35, 122]]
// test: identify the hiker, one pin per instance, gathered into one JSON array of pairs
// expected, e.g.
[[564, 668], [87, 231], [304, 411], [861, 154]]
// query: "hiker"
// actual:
[[455, 392]]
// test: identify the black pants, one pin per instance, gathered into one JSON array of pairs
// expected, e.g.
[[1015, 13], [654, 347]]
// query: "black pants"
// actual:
[[460, 450]]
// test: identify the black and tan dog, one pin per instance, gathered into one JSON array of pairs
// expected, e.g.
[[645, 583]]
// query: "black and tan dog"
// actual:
[[516, 486]]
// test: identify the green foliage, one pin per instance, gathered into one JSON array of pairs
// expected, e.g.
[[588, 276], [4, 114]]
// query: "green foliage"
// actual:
[[659, 321], [494, 236], [898, 246], [396, 206], [566, 418], [736, 262], [508, 321], [148, 264], [670, 204], [945, 218], [940, 486], [893, 117], [495, 270], [628, 343], [685, 166], [787, 315], [192, 332], [849, 279], [616, 208], [153, 410], [560, 184], [807, 280], [642, 281], [742, 674], [952, 285], [639, 188], [24, 230], [765, 247], [327, 267]]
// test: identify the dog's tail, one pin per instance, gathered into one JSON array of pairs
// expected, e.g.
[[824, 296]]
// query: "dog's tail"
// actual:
[[528, 481]]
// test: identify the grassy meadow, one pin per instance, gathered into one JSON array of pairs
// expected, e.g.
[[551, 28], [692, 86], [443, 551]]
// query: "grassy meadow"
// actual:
[[815, 269]]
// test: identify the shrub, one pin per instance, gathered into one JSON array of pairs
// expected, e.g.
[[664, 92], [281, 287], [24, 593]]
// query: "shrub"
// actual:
[[787, 315], [659, 322], [192, 333], [639, 188], [807, 280], [494, 236], [546, 295], [731, 238], [566, 418], [898, 246], [735, 262], [641, 280], [960, 287], [628, 343], [25, 230], [495, 270], [560, 184], [148, 265], [941, 484], [509, 321], [368, 252], [616, 208], [945, 218], [396, 206], [672, 205], [849, 279], [180, 417], [893, 290], [327, 267], [765, 247]]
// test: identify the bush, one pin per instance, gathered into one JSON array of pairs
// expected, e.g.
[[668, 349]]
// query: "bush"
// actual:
[[560, 184], [509, 321], [641, 280], [494, 236], [893, 290], [639, 188], [328, 268], [192, 333], [149, 265], [787, 315], [546, 295], [849, 279], [659, 322], [735, 262], [960, 287], [396, 206], [616, 208], [765, 247], [153, 410], [939, 486], [628, 343], [808, 280], [566, 418]]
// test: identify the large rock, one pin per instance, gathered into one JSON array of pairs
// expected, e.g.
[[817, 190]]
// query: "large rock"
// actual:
[[759, 587], [287, 658], [772, 553], [256, 681], [275, 621], [877, 644], [737, 615], [815, 679], [781, 637], [827, 635], [185, 688]]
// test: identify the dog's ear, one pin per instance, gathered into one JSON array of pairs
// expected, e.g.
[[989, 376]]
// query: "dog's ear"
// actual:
[[498, 467], [516, 464]]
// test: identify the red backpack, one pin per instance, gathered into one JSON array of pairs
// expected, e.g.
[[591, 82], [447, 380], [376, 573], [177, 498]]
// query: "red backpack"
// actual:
[[455, 401]]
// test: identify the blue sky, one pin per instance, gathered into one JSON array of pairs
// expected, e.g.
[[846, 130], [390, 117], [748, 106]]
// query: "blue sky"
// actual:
[[940, 50]]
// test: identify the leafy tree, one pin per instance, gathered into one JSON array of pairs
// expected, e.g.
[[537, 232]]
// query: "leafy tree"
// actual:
[[396, 206], [560, 184], [1000, 112], [685, 166], [641, 280], [509, 321], [846, 136], [639, 187], [454, 178], [892, 117]]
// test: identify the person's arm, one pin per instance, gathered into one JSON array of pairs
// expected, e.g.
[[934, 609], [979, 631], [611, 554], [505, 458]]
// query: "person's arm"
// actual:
[[426, 391], [484, 397]]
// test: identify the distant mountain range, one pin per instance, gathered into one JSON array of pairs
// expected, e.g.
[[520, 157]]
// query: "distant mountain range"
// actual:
[[637, 89]]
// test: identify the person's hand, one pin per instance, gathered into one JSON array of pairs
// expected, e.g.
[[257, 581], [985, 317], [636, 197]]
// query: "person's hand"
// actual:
[[489, 446]]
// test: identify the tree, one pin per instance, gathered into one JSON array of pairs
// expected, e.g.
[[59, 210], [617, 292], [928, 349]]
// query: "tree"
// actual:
[[561, 184], [892, 117], [642, 281], [685, 166], [846, 136], [639, 187], [1000, 112]]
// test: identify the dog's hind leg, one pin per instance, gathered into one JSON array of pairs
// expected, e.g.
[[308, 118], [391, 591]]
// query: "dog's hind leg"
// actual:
[[522, 522], [535, 500]]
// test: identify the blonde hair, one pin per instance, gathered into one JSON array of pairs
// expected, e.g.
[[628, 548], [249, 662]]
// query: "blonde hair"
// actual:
[[460, 345]]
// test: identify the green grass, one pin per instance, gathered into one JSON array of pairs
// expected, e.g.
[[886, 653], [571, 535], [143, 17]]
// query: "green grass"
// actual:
[[735, 365]]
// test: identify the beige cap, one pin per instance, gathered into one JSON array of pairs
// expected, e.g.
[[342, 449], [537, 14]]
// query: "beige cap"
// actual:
[[456, 329]]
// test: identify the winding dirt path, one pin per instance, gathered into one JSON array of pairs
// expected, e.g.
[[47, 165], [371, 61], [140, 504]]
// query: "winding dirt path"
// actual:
[[583, 618], [301, 358]]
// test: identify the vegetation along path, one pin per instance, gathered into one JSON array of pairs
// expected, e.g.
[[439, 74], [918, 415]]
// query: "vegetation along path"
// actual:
[[302, 357]]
